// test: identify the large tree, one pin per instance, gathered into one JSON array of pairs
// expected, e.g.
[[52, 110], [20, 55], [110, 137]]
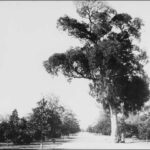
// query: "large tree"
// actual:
[[109, 57]]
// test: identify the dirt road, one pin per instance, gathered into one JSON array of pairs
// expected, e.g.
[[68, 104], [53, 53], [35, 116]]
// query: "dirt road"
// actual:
[[83, 140], [86, 140]]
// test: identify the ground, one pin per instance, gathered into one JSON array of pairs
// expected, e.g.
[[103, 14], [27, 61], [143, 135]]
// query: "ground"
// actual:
[[84, 140]]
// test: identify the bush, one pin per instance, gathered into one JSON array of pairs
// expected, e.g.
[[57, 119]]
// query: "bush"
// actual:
[[144, 130], [103, 126], [22, 138], [21, 133], [3, 130], [131, 130], [139, 126]]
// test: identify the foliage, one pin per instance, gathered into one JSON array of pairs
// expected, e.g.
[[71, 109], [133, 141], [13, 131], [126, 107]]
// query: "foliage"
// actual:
[[46, 119], [103, 126], [23, 134], [56, 111], [90, 129], [49, 119], [144, 130], [70, 124], [131, 130], [4, 127], [19, 130], [108, 57], [13, 125], [15, 129], [144, 124], [39, 119], [138, 125]]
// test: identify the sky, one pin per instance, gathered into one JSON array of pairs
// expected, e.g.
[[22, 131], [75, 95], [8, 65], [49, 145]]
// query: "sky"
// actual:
[[28, 36]]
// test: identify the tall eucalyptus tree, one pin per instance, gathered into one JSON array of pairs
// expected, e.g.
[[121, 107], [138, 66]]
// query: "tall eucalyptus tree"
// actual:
[[108, 58]]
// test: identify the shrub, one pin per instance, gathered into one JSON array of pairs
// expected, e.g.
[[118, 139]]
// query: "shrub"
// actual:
[[22, 138], [2, 131], [103, 126], [144, 130], [131, 130]]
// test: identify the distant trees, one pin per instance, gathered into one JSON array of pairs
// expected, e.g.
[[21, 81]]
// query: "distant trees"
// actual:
[[14, 126], [48, 120], [4, 131], [69, 123], [15, 129], [102, 126], [39, 120], [25, 135], [137, 125]]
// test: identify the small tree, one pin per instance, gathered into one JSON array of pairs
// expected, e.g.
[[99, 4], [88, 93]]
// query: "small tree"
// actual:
[[13, 126], [39, 120], [24, 135], [55, 110], [108, 57], [70, 124], [46, 118]]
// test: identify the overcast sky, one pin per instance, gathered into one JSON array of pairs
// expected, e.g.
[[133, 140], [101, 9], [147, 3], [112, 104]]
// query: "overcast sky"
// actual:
[[28, 36]]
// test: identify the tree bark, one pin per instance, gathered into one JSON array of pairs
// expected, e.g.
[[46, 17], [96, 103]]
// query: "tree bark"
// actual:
[[114, 124], [122, 131], [123, 125]]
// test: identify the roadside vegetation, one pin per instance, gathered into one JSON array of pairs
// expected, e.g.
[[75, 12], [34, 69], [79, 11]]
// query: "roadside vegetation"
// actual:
[[135, 125], [48, 120]]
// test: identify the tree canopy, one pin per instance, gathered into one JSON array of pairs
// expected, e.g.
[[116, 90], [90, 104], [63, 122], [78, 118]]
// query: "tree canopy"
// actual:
[[108, 57]]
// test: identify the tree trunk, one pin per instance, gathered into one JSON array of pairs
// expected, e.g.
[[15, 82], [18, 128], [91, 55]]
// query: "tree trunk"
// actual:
[[122, 125], [122, 137], [122, 131], [114, 124]]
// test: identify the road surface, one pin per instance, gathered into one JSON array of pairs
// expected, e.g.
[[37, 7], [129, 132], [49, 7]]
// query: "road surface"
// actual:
[[86, 140], [82, 140]]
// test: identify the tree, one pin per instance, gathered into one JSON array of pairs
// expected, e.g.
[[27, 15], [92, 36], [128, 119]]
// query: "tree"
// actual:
[[23, 134], [39, 120], [14, 118], [102, 126], [13, 126], [55, 110], [70, 124], [108, 58], [17, 129], [46, 118], [4, 131]]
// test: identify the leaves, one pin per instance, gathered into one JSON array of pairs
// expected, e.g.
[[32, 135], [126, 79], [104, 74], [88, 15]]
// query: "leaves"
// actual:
[[75, 28], [108, 56]]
